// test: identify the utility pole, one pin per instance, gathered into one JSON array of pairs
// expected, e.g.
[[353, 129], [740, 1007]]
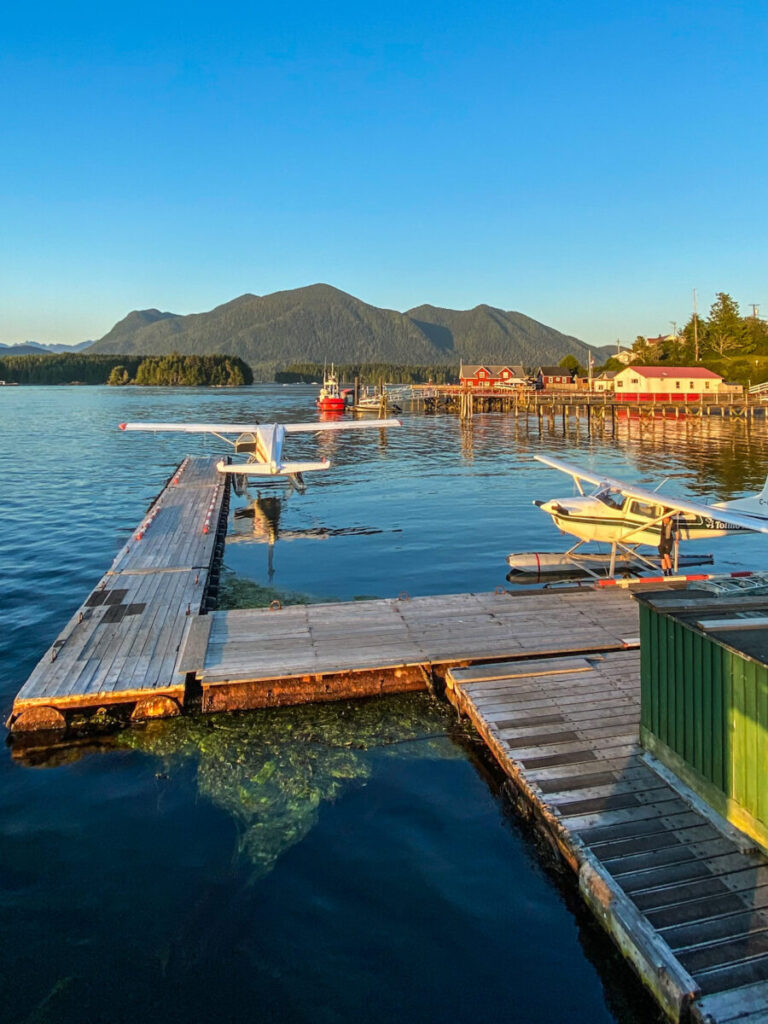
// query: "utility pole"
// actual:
[[755, 306], [695, 329], [673, 324]]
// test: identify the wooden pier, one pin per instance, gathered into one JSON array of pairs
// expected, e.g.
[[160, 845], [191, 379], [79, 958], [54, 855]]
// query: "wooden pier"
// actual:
[[264, 658], [121, 646], [142, 639], [594, 408], [682, 893]]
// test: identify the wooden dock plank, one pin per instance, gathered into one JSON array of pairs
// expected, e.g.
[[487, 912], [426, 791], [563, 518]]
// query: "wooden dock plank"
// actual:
[[570, 741], [125, 637]]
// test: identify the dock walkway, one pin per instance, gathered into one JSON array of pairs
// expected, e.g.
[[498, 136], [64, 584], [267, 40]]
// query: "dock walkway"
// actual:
[[685, 901], [121, 646], [261, 658], [550, 678]]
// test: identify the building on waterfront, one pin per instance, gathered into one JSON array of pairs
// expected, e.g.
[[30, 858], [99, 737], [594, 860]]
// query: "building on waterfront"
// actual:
[[555, 377], [604, 381], [669, 384], [490, 375]]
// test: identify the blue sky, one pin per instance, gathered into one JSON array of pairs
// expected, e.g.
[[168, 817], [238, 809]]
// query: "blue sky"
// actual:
[[588, 164]]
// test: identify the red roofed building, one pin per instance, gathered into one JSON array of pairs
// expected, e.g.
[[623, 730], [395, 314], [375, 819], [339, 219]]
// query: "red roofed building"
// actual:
[[668, 384], [491, 375]]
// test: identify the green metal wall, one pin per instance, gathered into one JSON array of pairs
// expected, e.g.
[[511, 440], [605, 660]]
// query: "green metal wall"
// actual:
[[709, 705]]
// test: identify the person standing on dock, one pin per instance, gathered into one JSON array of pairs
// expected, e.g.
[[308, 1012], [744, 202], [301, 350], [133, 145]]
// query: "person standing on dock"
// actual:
[[667, 539]]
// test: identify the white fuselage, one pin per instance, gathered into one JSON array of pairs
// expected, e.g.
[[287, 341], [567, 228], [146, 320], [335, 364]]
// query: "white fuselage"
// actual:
[[612, 518]]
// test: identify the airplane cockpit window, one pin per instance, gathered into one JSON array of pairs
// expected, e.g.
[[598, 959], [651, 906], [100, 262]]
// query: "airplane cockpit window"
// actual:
[[645, 509], [610, 497]]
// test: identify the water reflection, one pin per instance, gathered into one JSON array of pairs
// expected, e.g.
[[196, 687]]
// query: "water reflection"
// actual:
[[719, 458]]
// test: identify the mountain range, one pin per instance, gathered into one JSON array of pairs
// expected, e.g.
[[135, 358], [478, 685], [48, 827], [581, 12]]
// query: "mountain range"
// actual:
[[30, 348], [321, 323]]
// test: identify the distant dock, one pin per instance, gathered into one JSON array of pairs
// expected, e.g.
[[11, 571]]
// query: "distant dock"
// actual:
[[595, 408]]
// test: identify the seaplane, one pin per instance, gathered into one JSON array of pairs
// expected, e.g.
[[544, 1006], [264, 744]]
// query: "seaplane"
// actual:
[[262, 444], [627, 517]]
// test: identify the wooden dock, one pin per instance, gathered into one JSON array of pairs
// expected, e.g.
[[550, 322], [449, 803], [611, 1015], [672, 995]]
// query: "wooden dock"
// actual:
[[262, 658], [682, 893], [597, 408], [121, 646], [551, 680], [142, 642]]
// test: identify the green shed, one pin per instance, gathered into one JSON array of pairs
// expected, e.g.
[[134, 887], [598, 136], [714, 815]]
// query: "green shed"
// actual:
[[704, 698]]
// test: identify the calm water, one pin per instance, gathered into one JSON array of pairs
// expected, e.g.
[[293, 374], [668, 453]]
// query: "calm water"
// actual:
[[349, 862]]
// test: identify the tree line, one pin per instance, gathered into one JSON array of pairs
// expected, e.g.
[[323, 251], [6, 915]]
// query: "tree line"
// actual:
[[172, 370], [185, 371], [724, 341], [369, 373]]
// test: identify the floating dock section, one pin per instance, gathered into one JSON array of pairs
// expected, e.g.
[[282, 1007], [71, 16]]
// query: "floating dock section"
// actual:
[[121, 646], [263, 658], [683, 894]]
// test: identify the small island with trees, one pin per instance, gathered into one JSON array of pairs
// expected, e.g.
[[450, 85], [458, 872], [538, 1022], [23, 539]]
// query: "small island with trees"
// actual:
[[154, 371]]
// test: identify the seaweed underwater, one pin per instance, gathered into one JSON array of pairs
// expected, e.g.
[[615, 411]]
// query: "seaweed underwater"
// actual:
[[272, 771]]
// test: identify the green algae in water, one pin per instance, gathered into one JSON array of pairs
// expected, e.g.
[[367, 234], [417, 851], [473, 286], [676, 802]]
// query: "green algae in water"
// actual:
[[237, 592], [271, 770]]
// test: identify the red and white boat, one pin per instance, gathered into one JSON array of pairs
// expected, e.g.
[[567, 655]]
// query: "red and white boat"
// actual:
[[331, 398]]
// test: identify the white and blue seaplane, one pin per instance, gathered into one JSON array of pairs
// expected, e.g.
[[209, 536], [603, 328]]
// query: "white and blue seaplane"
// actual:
[[627, 517], [261, 444]]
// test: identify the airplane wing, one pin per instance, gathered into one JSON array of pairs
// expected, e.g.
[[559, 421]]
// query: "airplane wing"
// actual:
[[743, 520], [301, 428], [265, 444], [568, 467], [195, 428], [242, 428]]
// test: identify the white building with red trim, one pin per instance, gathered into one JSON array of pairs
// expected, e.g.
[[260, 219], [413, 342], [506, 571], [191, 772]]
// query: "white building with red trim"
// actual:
[[669, 384]]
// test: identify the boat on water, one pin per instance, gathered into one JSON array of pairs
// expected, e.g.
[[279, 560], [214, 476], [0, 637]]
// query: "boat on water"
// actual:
[[331, 397], [379, 404]]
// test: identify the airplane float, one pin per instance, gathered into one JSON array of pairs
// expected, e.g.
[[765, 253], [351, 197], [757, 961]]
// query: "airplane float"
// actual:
[[263, 443], [626, 517]]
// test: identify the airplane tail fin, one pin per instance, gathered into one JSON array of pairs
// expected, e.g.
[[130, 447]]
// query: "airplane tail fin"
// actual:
[[763, 495]]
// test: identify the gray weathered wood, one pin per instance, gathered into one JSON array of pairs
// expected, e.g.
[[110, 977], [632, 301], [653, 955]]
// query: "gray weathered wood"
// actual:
[[686, 905]]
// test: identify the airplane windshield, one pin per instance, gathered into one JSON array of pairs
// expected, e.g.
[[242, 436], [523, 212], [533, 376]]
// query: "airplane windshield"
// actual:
[[610, 497]]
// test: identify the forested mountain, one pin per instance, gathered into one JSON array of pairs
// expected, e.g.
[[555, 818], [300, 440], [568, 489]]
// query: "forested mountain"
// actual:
[[321, 323], [485, 334]]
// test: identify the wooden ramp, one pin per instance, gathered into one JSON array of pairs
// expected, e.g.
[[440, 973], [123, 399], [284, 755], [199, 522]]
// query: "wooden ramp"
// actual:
[[683, 894], [261, 657], [121, 646]]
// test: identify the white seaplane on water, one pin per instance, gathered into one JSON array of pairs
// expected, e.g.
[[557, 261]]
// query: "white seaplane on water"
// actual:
[[262, 443], [627, 517]]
